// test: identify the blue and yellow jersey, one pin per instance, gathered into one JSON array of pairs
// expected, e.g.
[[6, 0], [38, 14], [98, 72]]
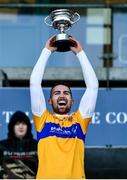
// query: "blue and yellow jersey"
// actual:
[[61, 145]]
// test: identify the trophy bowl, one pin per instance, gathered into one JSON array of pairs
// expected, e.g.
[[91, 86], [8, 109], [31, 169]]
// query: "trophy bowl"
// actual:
[[62, 20]]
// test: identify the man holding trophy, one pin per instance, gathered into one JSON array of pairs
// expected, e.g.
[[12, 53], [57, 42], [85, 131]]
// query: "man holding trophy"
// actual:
[[61, 135]]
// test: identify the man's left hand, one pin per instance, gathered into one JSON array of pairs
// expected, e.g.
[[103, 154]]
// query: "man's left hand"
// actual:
[[77, 46]]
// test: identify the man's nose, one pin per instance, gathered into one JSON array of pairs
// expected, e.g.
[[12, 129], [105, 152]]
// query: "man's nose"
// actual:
[[62, 94], [20, 125]]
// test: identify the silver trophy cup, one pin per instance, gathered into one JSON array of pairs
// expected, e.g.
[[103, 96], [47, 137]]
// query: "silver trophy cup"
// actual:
[[62, 20]]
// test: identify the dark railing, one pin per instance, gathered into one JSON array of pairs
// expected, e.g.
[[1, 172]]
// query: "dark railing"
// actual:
[[53, 5]]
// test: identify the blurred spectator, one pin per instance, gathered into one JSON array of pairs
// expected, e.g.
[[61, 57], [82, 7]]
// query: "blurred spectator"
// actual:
[[18, 153]]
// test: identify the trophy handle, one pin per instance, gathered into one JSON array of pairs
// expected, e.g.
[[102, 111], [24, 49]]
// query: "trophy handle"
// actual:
[[46, 20], [77, 16]]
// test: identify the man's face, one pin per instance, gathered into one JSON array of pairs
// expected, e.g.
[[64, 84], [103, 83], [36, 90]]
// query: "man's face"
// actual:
[[61, 99], [20, 129]]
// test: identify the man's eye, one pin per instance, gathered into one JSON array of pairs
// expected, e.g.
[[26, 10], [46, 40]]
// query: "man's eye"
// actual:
[[67, 93], [56, 93]]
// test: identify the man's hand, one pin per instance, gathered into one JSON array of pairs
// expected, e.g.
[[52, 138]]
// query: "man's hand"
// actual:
[[77, 46], [49, 44]]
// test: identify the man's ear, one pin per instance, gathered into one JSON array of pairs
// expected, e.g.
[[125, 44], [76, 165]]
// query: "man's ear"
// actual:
[[72, 101], [50, 101]]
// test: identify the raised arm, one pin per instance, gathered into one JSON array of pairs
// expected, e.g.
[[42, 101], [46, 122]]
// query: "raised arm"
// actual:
[[88, 100], [38, 103]]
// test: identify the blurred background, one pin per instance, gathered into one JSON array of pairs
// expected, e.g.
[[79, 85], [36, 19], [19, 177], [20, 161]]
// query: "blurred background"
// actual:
[[102, 31]]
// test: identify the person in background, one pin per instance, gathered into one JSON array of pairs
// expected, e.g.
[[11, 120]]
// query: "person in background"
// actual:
[[18, 153], [61, 134]]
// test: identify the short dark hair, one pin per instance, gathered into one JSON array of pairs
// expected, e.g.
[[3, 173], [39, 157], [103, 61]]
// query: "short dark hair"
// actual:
[[60, 83]]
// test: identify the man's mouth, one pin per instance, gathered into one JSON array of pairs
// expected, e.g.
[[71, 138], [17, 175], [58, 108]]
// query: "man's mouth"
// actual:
[[62, 102]]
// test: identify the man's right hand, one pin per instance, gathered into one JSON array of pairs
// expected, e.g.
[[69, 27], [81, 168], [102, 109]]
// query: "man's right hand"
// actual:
[[49, 44]]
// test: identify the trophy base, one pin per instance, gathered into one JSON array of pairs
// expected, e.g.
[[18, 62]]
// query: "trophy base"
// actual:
[[63, 43]]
